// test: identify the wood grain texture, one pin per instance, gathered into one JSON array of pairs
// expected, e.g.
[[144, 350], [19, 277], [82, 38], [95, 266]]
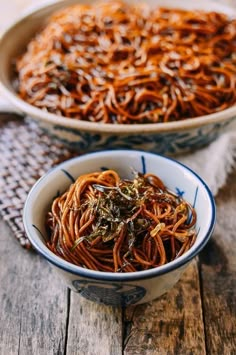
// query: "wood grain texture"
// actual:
[[93, 329], [172, 324], [33, 302], [218, 274]]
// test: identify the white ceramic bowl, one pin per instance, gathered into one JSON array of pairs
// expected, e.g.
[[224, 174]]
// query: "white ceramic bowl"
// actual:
[[115, 288], [164, 138]]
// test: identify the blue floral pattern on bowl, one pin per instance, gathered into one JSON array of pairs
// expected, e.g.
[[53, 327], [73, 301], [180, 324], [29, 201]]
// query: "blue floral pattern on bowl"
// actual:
[[169, 143], [109, 294]]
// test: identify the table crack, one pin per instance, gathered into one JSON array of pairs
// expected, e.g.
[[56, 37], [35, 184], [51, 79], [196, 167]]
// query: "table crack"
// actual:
[[200, 280], [127, 328], [19, 343], [67, 319]]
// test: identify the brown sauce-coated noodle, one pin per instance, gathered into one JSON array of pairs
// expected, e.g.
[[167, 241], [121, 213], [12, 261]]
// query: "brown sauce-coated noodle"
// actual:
[[108, 224], [112, 62]]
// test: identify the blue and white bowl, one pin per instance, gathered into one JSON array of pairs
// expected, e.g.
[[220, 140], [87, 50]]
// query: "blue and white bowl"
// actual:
[[169, 138], [115, 288]]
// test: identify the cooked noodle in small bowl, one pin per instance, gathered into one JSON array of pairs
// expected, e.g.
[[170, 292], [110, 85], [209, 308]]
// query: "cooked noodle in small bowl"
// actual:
[[120, 226]]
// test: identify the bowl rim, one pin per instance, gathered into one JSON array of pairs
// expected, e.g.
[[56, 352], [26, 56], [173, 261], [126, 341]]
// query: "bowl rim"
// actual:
[[107, 128], [110, 276]]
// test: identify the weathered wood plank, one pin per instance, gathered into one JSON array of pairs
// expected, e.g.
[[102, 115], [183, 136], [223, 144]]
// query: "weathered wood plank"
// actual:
[[33, 302], [218, 265], [93, 329], [172, 324]]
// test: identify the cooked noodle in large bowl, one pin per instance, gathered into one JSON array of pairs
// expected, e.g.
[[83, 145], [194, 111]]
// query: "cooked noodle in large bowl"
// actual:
[[151, 75]]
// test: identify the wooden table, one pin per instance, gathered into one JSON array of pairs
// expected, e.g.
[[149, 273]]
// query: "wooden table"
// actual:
[[40, 316]]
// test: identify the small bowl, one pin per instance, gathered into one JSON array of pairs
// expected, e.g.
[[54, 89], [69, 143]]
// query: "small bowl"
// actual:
[[116, 288], [169, 138]]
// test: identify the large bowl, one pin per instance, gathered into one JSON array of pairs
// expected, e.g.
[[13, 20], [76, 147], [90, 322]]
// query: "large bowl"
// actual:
[[116, 288], [165, 138]]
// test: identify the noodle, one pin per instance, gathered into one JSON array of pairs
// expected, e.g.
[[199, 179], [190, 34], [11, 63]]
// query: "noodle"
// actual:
[[108, 224], [111, 62]]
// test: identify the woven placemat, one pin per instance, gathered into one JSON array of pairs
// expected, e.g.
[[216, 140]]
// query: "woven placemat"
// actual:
[[26, 153]]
